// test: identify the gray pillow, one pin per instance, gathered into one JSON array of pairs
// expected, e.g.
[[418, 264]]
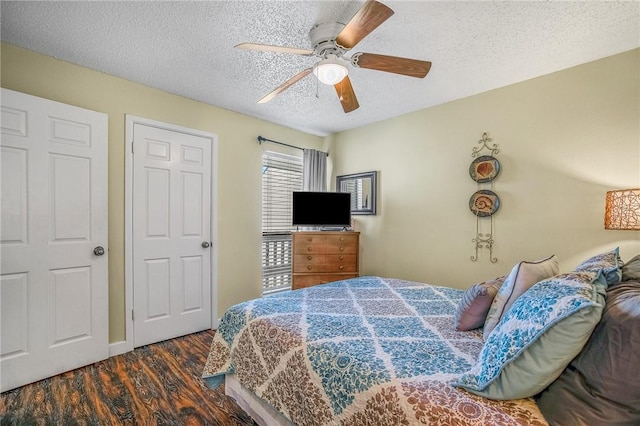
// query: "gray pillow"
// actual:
[[600, 386], [631, 270], [475, 303], [521, 278]]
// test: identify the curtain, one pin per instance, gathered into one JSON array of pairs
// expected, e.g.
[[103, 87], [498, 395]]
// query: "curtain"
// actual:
[[314, 176]]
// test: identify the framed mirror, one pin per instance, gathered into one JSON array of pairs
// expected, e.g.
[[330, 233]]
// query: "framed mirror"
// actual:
[[362, 187]]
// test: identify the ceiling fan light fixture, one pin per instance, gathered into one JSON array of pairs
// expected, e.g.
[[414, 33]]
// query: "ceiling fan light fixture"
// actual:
[[330, 71]]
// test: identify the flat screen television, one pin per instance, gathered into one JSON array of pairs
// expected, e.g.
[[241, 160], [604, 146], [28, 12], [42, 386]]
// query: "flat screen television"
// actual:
[[321, 209]]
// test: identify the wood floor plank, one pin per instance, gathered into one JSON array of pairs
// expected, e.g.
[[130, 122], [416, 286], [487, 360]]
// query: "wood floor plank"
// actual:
[[157, 384]]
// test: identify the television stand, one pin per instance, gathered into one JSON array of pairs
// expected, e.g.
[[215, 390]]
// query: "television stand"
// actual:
[[334, 228], [324, 229]]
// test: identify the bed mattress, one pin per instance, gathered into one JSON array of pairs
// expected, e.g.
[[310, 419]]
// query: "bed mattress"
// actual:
[[368, 350]]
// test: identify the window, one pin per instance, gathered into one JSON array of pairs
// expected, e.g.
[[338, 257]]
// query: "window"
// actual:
[[281, 175]]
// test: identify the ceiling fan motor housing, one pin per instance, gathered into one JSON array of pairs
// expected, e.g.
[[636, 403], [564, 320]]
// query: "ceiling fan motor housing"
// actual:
[[323, 39]]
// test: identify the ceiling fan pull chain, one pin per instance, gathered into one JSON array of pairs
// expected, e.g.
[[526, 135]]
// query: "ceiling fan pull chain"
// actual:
[[317, 89]]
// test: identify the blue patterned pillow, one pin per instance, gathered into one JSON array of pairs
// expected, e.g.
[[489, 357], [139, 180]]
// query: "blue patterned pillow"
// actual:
[[539, 335], [609, 263]]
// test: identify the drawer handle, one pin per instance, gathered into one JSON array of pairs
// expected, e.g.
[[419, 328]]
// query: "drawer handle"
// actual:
[[341, 238], [341, 257], [309, 239], [341, 248], [309, 257], [309, 267], [341, 267], [309, 248]]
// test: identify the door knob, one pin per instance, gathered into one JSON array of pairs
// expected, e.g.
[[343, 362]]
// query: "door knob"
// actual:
[[205, 244], [98, 251]]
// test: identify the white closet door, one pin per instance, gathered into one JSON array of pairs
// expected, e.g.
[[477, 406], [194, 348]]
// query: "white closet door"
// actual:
[[53, 239], [171, 233]]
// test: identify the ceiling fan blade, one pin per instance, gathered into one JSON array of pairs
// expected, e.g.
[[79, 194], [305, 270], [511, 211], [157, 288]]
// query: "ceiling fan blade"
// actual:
[[347, 96], [394, 64], [284, 86], [368, 18], [270, 48]]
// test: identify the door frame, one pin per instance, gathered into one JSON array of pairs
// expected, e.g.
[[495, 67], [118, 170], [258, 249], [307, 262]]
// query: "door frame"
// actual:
[[126, 345]]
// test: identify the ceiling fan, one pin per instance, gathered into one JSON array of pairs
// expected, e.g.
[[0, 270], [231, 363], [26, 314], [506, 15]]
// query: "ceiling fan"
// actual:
[[331, 41]]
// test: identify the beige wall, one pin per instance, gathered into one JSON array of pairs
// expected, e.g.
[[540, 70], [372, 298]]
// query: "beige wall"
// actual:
[[239, 163], [564, 139]]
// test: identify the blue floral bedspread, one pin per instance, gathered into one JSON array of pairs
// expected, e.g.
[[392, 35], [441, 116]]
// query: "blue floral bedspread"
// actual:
[[369, 350]]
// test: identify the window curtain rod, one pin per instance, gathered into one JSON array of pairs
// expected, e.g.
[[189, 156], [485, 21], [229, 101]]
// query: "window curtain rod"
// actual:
[[261, 139]]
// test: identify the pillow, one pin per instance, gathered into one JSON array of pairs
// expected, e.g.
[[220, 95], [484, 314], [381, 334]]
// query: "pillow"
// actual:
[[601, 386], [631, 270], [475, 303], [608, 262], [535, 340], [522, 277]]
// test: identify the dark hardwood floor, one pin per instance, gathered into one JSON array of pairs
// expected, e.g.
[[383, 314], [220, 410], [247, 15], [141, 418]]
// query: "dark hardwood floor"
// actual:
[[158, 384]]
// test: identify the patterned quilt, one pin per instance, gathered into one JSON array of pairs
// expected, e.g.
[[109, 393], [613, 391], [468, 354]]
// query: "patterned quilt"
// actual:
[[365, 351]]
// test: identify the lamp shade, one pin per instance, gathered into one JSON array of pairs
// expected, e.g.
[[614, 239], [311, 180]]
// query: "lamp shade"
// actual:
[[622, 209], [331, 70]]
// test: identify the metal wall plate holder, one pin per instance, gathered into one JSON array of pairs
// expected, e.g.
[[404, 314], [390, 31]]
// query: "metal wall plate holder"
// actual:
[[484, 177]]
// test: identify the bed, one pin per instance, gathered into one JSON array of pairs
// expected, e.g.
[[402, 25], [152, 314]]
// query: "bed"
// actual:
[[369, 350]]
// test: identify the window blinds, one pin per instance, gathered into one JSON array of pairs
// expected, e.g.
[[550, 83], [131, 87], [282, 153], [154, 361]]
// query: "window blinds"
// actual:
[[281, 175]]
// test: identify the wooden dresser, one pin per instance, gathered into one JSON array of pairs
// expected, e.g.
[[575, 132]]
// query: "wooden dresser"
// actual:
[[322, 257]]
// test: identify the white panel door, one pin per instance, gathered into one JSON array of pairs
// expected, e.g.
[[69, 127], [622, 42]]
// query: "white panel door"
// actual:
[[53, 279], [171, 233]]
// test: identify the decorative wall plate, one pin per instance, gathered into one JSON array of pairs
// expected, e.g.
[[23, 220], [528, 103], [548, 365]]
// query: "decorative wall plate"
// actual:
[[484, 203], [484, 169]]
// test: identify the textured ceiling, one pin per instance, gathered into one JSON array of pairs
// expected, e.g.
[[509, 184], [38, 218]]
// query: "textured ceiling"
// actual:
[[186, 48]]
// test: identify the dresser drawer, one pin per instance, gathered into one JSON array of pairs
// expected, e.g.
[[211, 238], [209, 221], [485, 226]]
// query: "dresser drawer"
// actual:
[[341, 263], [305, 244], [308, 263], [342, 244]]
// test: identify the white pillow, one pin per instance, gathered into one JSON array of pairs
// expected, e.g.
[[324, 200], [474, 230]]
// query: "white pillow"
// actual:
[[522, 277]]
